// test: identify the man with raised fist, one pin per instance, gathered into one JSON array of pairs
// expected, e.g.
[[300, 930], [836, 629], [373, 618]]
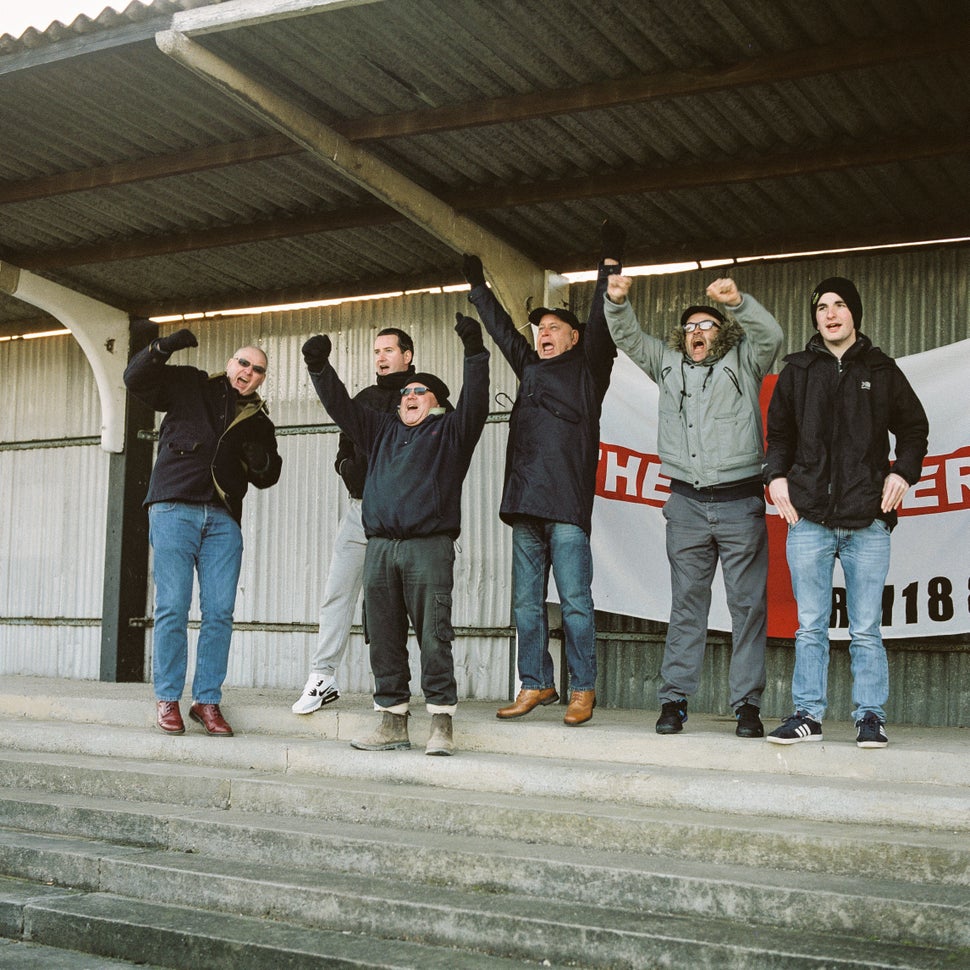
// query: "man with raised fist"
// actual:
[[215, 439]]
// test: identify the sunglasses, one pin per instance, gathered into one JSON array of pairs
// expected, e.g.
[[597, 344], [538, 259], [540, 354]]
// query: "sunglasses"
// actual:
[[242, 362], [703, 324], [405, 391]]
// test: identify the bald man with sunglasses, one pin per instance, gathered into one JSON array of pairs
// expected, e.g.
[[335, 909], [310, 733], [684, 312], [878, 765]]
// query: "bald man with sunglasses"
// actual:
[[216, 440]]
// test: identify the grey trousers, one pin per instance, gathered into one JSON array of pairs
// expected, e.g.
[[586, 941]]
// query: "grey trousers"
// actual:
[[699, 534]]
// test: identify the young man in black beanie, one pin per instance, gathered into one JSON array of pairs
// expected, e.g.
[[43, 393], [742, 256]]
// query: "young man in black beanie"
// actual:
[[829, 475], [710, 440]]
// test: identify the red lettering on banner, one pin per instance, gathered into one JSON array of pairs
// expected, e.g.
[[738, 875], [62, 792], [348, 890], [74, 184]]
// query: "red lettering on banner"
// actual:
[[624, 475], [944, 487]]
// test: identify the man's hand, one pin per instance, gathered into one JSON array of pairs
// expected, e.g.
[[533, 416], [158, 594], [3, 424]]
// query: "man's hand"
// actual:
[[176, 341], [617, 287], [471, 268], [778, 490], [255, 455], [725, 291], [470, 332], [893, 490], [316, 352], [612, 242]]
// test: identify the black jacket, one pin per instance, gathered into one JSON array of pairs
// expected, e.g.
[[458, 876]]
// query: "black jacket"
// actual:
[[351, 461], [829, 423], [554, 429], [200, 456], [414, 474]]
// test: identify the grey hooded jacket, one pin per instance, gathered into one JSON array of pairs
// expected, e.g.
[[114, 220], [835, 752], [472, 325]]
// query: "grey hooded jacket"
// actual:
[[710, 428]]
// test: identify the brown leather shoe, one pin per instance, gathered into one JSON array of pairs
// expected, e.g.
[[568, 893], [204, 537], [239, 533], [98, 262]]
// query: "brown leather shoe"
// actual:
[[168, 717], [580, 709], [527, 700], [211, 719]]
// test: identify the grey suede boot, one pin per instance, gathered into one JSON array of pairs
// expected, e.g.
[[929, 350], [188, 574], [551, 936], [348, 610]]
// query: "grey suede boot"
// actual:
[[440, 741], [391, 735]]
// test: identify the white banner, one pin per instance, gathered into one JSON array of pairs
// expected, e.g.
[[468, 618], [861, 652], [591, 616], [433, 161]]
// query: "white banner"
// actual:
[[928, 588]]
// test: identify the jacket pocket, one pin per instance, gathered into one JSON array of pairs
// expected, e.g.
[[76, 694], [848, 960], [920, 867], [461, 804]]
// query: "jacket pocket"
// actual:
[[567, 412], [180, 448]]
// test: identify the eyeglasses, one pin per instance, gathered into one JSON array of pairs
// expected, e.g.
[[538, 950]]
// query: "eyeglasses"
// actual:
[[405, 391], [242, 362], [703, 324]]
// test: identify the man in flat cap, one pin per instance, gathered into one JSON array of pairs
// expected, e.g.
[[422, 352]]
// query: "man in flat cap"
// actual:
[[830, 476], [711, 445], [417, 459], [550, 480]]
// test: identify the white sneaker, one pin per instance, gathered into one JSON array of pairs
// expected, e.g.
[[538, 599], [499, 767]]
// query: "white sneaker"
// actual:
[[320, 689]]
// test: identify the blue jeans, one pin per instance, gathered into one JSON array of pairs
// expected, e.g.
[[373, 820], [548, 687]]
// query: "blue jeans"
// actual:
[[537, 546], [812, 550], [187, 538]]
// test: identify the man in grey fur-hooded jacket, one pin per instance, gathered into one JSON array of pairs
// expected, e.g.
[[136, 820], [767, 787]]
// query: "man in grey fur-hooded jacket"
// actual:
[[711, 446]]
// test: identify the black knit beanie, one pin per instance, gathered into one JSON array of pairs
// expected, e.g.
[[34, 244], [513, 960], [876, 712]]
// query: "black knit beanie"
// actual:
[[434, 384], [844, 288]]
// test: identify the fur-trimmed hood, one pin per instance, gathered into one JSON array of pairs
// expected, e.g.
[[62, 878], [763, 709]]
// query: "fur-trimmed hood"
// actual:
[[729, 335]]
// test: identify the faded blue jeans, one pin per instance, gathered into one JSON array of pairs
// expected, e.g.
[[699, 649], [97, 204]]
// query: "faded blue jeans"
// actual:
[[537, 546], [864, 553], [188, 538]]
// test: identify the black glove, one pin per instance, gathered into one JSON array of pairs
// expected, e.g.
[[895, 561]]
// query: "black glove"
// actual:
[[471, 267], [470, 332], [316, 351], [255, 455], [612, 241], [176, 341]]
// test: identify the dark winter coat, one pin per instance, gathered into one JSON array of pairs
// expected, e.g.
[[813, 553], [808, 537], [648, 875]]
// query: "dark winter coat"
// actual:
[[414, 473], [554, 428], [351, 461], [829, 423], [200, 457]]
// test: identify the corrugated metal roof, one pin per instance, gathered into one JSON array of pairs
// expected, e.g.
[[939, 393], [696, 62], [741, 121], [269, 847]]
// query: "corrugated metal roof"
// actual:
[[757, 126]]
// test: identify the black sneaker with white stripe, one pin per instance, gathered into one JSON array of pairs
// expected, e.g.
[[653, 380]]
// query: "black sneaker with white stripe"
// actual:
[[871, 733], [798, 727]]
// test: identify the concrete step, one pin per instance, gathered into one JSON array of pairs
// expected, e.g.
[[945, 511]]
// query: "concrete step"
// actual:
[[885, 799], [39, 790], [15, 955], [299, 856], [176, 937], [259, 908], [924, 756]]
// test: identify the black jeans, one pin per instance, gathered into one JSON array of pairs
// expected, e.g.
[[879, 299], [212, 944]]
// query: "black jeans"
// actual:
[[410, 579]]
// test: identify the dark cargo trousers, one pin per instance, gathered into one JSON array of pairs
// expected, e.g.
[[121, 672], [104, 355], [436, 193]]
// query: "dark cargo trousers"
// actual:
[[410, 579]]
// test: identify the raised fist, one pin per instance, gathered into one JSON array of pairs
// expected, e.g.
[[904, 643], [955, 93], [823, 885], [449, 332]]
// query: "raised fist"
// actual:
[[316, 351], [471, 267], [176, 341], [470, 331]]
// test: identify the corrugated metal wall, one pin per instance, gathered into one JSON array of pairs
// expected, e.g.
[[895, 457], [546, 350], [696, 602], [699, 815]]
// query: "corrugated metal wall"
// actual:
[[54, 483], [53, 514]]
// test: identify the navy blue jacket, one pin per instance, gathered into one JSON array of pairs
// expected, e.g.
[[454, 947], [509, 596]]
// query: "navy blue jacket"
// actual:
[[414, 474], [554, 429], [829, 423], [351, 461], [200, 456]]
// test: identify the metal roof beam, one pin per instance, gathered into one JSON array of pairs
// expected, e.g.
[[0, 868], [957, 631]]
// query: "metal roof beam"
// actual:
[[517, 278], [609, 184]]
